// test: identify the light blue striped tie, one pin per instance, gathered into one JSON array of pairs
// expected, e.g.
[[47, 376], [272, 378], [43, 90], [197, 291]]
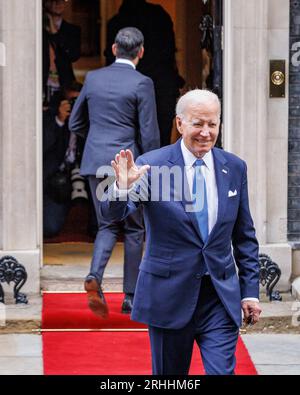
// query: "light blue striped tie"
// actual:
[[200, 199]]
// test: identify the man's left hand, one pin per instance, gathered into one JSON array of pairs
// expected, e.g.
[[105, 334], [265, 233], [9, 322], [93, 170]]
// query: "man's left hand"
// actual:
[[251, 311]]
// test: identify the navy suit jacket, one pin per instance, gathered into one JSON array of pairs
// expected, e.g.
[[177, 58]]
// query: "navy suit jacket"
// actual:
[[117, 106], [170, 273]]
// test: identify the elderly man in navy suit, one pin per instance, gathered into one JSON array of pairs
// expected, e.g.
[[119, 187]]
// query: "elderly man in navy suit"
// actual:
[[117, 107], [200, 268]]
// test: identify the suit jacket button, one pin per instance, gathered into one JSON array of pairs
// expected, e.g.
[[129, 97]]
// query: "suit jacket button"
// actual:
[[198, 276]]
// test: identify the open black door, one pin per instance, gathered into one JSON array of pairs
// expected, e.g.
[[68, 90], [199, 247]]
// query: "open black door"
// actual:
[[211, 27]]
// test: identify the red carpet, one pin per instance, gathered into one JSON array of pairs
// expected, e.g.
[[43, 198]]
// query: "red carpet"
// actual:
[[109, 353], [70, 311], [104, 353]]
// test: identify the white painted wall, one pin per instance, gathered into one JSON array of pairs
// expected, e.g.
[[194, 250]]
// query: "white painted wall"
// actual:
[[20, 135]]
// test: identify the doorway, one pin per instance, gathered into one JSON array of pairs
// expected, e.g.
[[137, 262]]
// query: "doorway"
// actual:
[[198, 32]]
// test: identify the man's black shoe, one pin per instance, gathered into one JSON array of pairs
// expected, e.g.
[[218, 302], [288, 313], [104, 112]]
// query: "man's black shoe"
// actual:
[[127, 304]]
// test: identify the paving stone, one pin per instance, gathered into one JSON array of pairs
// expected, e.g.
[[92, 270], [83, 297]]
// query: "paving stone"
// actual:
[[20, 345], [274, 354], [21, 354], [278, 370], [21, 366]]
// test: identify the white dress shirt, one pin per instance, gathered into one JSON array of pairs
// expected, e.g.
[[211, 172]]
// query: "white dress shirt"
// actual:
[[208, 172], [125, 61]]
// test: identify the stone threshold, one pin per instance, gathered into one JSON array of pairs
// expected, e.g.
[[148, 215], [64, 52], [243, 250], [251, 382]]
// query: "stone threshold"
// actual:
[[266, 325]]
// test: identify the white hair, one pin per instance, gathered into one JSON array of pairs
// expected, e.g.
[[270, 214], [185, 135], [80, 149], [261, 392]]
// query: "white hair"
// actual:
[[197, 96]]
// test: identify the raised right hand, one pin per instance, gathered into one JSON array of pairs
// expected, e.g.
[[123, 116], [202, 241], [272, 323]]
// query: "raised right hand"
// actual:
[[126, 171]]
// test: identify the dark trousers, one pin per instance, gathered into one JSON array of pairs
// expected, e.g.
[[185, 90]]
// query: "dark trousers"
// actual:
[[214, 331], [54, 216], [106, 239]]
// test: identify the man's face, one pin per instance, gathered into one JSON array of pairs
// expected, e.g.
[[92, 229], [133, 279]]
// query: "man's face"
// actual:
[[56, 7], [199, 127]]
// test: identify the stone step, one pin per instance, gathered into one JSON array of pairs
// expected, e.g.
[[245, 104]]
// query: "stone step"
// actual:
[[76, 285], [71, 278]]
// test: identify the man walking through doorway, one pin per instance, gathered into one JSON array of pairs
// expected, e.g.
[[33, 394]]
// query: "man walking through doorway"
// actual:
[[117, 107]]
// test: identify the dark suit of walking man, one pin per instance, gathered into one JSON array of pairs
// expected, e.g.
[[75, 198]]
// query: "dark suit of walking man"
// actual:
[[119, 104], [200, 267]]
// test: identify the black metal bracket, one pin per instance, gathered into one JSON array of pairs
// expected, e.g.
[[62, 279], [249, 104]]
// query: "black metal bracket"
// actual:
[[12, 271], [207, 28], [269, 275]]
